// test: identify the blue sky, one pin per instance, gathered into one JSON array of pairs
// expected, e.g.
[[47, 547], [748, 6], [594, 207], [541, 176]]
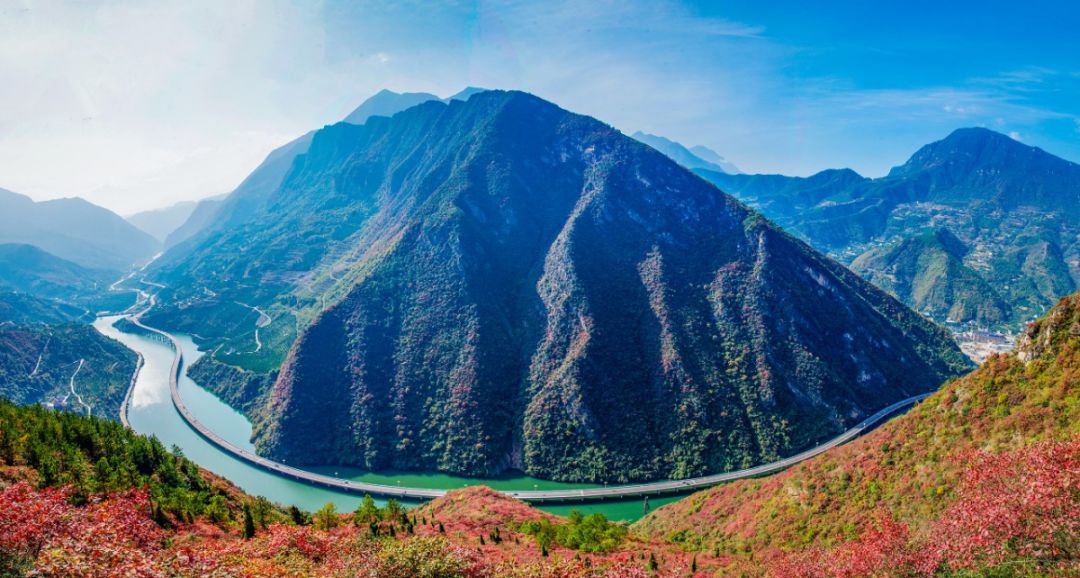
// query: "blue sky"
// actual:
[[135, 105]]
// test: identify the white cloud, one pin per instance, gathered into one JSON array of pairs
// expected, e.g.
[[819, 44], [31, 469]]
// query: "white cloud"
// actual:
[[1015, 136], [136, 104]]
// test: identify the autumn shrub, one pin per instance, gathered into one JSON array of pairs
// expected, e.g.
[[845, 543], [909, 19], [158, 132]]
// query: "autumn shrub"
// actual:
[[1017, 514], [429, 557]]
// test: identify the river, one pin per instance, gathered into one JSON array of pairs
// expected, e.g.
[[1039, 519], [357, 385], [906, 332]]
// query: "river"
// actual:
[[152, 413]]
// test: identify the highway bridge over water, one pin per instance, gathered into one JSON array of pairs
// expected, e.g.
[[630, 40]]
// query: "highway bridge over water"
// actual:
[[619, 492]]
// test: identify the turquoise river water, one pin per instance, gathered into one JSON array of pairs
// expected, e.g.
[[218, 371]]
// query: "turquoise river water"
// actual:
[[152, 413]]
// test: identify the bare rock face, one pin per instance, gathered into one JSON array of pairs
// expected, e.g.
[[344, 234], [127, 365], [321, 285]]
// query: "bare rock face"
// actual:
[[1063, 322]]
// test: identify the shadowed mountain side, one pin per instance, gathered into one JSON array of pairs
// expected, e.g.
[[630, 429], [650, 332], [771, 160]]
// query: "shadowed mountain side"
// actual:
[[533, 289]]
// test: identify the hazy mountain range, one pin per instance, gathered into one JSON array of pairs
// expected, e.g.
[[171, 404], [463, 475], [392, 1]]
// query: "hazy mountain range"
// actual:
[[75, 230], [697, 157]]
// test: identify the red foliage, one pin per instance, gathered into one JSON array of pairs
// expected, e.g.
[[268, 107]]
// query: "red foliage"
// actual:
[[109, 536], [29, 519], [879, 551], [1023, 503]]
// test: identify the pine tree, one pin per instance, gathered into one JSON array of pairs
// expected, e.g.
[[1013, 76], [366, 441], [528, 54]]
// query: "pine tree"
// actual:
[[297, 516], [249, 523], [653, 565]]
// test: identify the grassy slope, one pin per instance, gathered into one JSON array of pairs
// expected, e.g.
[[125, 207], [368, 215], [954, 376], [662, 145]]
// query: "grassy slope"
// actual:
[[907, 466]]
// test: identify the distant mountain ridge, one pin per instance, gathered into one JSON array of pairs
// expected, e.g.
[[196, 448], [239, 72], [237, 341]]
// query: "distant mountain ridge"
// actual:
[[75, 230], [697, 157], [161, 223], [30, 270], [1015, 207], [474, 281]]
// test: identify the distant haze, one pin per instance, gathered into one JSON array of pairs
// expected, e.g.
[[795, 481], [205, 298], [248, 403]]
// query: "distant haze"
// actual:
[[137, 105]]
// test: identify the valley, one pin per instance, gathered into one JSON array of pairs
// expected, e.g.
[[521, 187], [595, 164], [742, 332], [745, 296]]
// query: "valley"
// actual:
[[612, 317], [151, 412]]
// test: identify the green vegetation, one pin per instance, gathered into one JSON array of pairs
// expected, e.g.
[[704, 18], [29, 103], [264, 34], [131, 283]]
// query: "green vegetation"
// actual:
[[608, 310], [928, 272], [592, 533], [240, 388], [37, 363], [29, 270], [910, 469], [96, 456], [1004, 219]]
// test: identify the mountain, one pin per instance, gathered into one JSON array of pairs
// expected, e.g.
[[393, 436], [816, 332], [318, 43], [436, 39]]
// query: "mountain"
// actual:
[[386, 103], [698, 157], [160, 223], [465, 93], [201, 215], [781, 198], [928, 272], [28, 269], [1014, 208], [68, 366], [74, 229], [45, 348], [21, 309], [268, 175], [965, 482], [474, 281], [978, 480]]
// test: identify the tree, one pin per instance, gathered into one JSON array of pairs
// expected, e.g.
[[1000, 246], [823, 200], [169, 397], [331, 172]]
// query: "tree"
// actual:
[[262, 512], [367, 512], [297, 516], [393, 509], [217, 510], [249, 523], [326, 518]]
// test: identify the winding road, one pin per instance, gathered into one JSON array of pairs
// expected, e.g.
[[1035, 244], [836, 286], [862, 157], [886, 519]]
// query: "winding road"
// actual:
[[537, 496], [71, 385]]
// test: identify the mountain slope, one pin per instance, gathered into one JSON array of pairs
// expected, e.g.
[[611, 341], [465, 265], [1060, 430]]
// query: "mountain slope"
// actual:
[[480, 279], [28, 269], [693, 158], [75, 230], [160, 223], [41, 364], [17, 308], [928, 272], [909, 469], [1014, 206], [268, 175]]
